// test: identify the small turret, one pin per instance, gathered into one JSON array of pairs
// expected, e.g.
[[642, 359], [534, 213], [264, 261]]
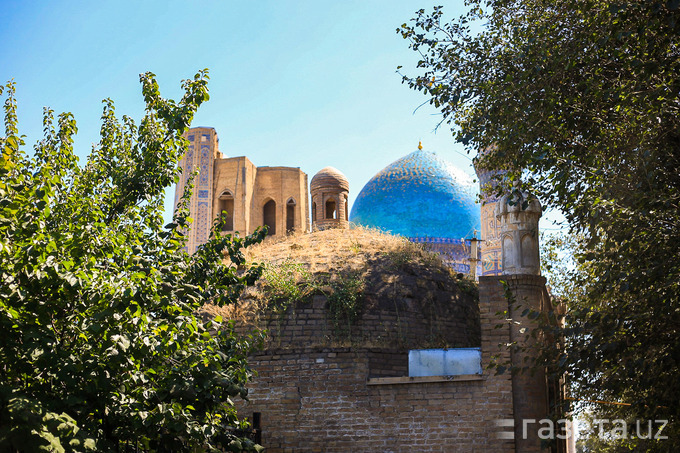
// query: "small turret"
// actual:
[[330, 192], [518, 214]]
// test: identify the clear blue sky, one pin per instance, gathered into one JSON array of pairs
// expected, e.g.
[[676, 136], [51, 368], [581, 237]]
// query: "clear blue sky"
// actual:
[[295, 83]]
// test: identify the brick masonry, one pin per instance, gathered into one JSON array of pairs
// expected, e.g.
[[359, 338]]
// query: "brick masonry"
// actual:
[[338, 399], [410, 307], [249, 187]]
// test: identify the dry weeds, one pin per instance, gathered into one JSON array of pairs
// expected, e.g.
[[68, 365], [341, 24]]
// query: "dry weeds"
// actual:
[[331, 253]]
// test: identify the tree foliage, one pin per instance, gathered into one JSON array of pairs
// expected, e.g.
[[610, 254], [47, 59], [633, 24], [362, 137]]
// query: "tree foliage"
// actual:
[[581, 98], [100, 348]]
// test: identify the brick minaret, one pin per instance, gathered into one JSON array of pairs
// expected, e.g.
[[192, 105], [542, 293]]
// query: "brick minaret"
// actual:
[[201, 155]]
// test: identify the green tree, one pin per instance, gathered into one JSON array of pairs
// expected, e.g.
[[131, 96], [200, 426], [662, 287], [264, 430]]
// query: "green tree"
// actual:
[[100, 347], [581, 99]]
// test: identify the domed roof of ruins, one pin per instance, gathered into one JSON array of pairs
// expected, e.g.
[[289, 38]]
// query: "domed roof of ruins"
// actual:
[[406, 296], [329, 177]]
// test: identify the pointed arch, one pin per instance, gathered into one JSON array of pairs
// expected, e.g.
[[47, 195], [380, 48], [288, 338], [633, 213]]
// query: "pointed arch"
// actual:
[[331, 209], [269, 216], [225, 207], [290, 215], [529, 247]]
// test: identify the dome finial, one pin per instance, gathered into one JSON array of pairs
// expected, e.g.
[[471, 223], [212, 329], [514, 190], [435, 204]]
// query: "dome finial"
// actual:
[[420, 145]]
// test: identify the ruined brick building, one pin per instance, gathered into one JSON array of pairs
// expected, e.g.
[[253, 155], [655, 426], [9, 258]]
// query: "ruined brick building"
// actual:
[[251, 196], [413, 375]]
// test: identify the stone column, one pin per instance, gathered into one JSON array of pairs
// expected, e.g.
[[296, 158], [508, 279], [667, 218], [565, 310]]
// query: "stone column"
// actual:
[[518, 215]]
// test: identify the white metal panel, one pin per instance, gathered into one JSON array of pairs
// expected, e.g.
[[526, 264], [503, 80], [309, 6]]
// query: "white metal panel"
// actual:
[[444, 362]]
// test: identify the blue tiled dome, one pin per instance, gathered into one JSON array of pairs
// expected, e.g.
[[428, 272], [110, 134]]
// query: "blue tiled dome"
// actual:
[[420, 195]]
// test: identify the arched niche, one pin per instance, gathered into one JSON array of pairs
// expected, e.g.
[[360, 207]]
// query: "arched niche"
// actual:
[[508, 252], [529, 251], [331, 209], [269, 217], [290, 215], [225, 206]]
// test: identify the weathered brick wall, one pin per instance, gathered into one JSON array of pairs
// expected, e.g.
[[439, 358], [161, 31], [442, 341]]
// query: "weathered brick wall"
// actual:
[[253, 186], [387, 363], [280, 184], [530, 390], [322, 401], [351, 399], [399, 310]]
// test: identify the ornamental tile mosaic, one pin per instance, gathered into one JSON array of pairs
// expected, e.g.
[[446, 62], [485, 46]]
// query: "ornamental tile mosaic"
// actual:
[[420, 195], [491, 262], [454, 252], [206, 162], [202, 222]]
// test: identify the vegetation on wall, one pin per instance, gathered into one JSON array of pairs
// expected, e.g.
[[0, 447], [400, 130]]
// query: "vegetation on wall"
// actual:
[[356, 287], [100, 349], [287, 283], [411, 253], [345, 302], [581, 99]]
